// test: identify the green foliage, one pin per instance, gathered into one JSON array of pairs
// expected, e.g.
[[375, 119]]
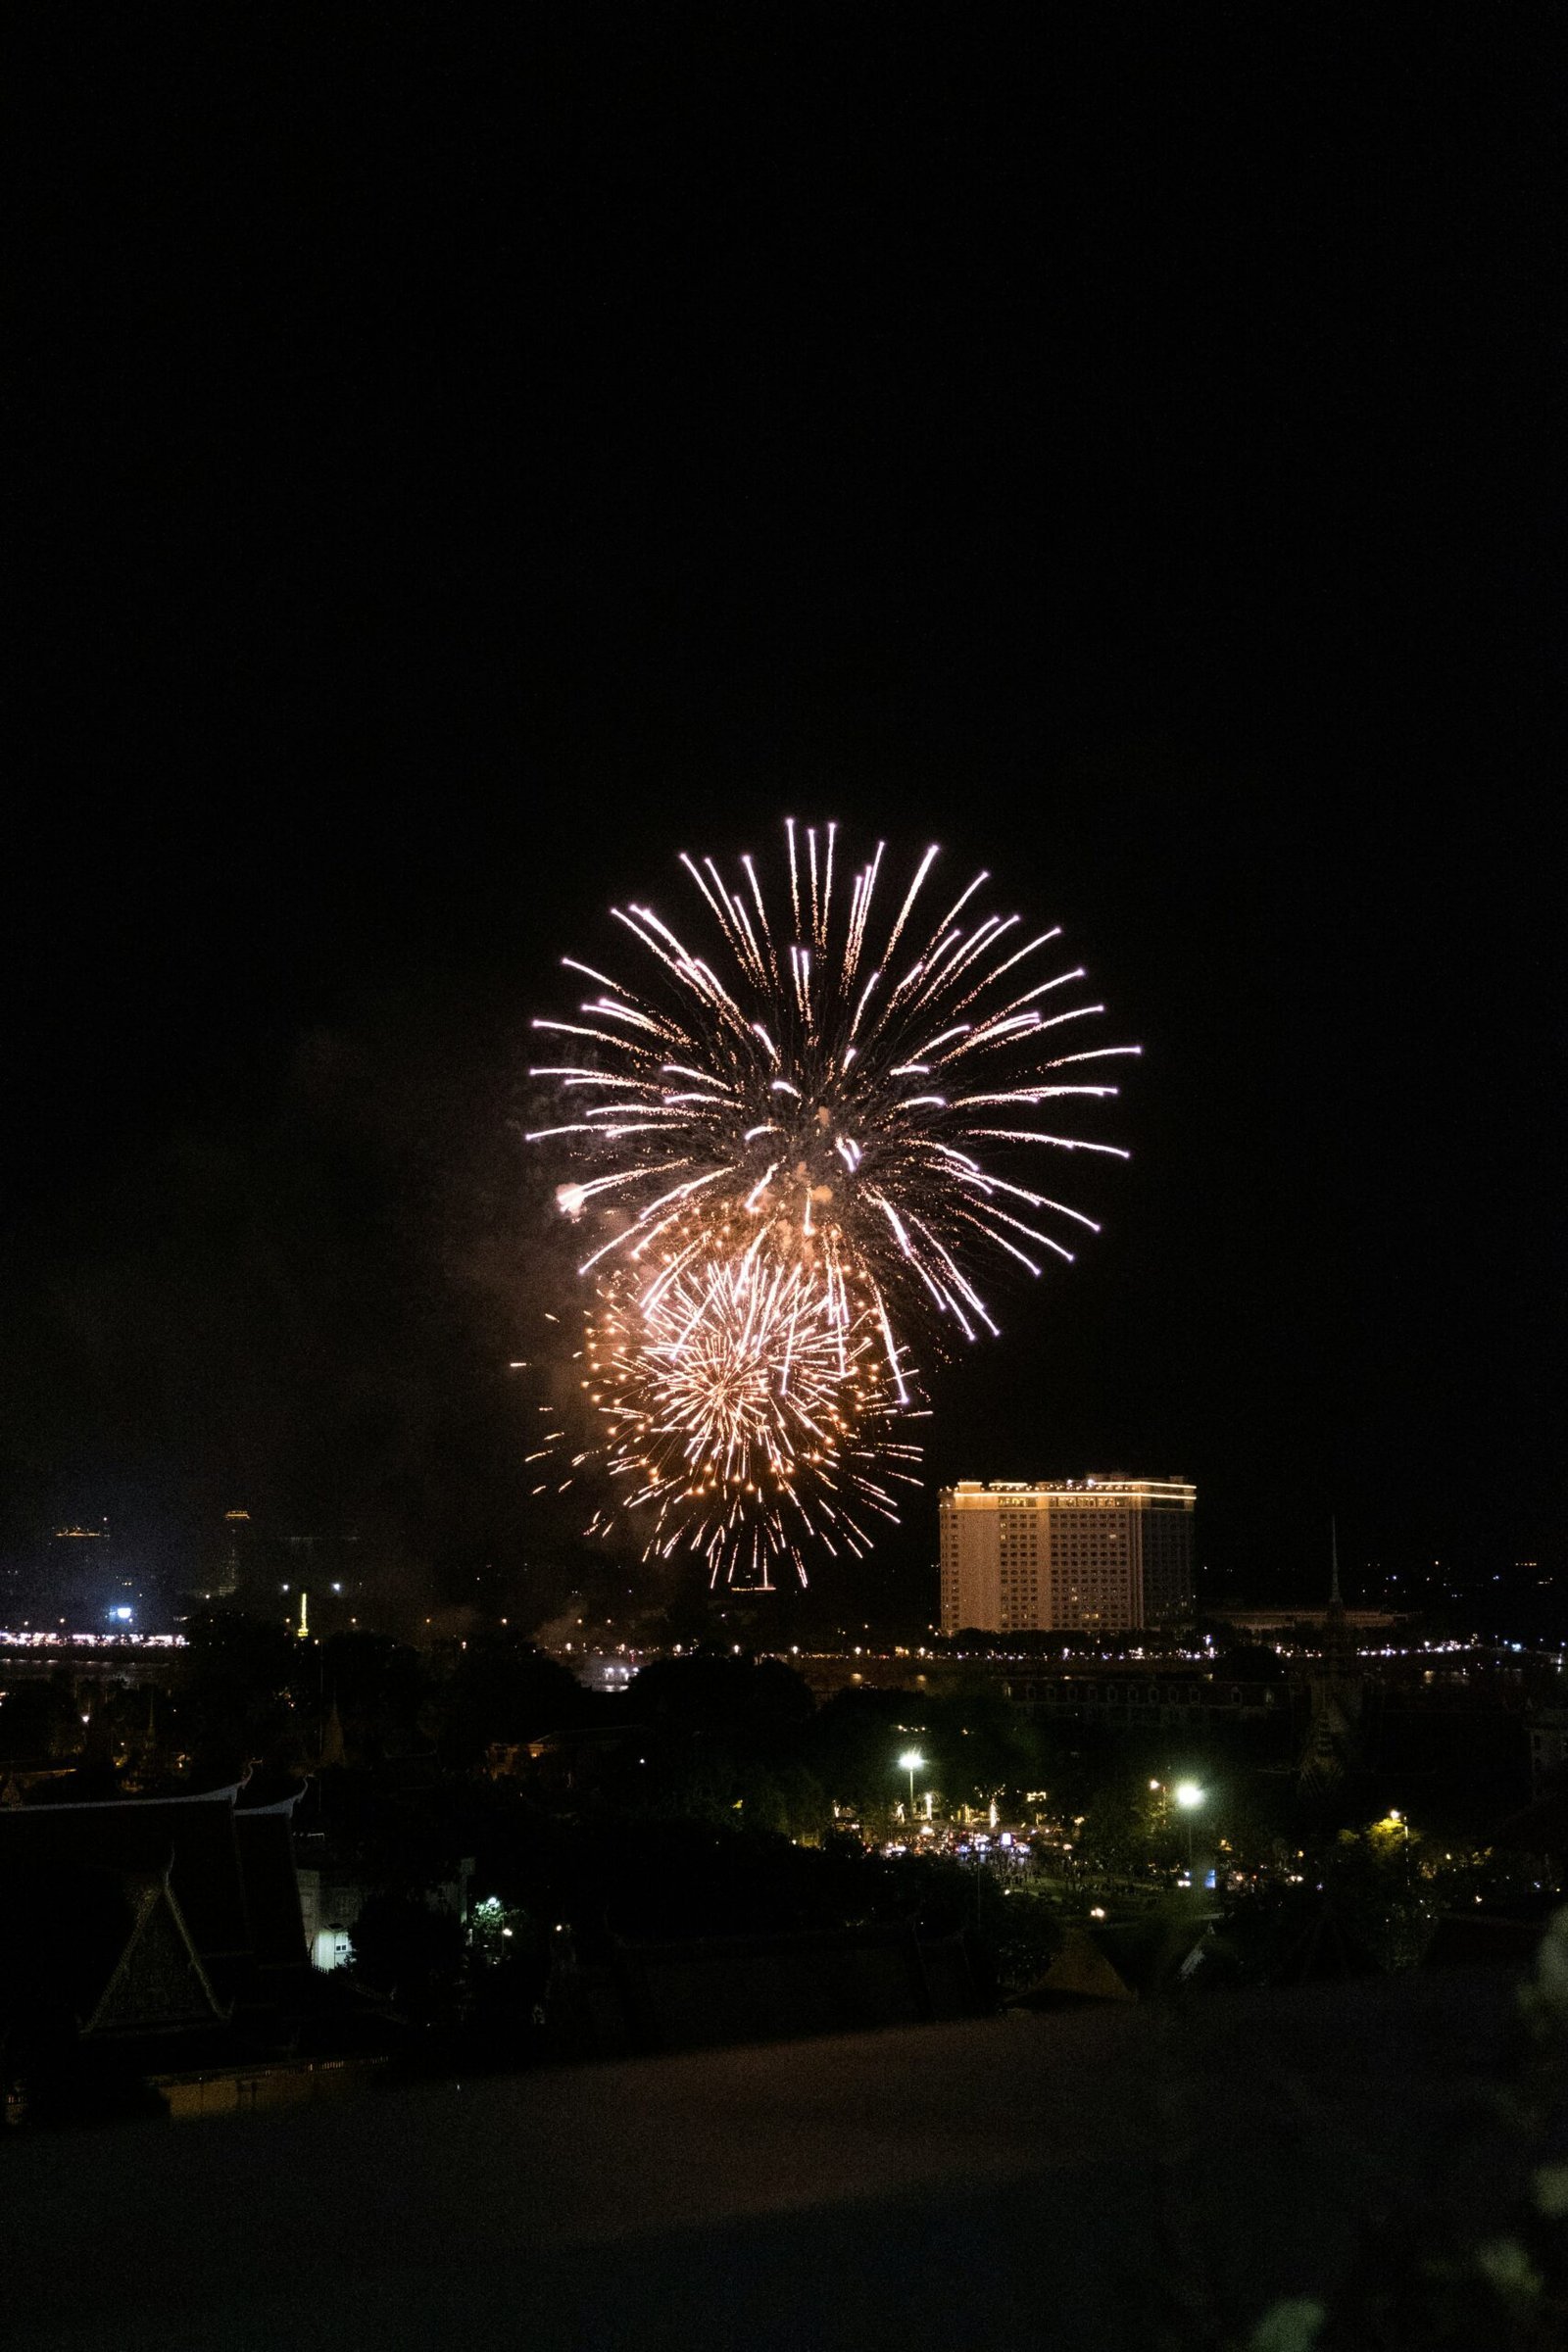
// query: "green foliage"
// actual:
[[1125, 1829], [1506, 2290], [1388, 1895], [1020, 1926], [500, 1935], [981, 1745], [1251, 1814], [976, 1744], [725, 1741], [722, 1779], [1291, 2327], [853, 1742]]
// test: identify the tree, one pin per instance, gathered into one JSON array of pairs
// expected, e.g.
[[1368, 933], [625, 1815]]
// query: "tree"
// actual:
[[712, 1690], [983, 1745], [234, 1703], [411, 1954], [380, 1687], [503, 1691], [1387, 1893], [39, 1721], [853, 1744], [1128, 1827], [1020, 1926]]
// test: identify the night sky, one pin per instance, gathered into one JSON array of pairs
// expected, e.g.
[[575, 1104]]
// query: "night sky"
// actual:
[[460, 460]]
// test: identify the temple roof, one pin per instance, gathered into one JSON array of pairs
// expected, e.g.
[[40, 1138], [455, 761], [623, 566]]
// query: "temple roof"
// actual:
[[96, 1950], [231, 1871]]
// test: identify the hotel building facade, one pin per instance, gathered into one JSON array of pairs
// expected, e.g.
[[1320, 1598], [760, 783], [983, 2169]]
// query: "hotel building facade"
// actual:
[[1086, 1554]]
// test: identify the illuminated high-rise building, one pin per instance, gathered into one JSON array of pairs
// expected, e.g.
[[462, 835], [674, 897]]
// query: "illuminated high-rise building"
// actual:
[[80, 1570], [239, 1553], [1085, 1554], [227, 1564]]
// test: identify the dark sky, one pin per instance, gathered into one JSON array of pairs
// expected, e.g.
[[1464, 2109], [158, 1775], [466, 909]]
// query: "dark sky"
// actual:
[[461, 458]]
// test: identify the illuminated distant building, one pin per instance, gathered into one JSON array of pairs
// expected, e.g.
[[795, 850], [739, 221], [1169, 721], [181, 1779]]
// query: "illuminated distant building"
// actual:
[[80, 1570], [238, 1543], [231, 1561], [72, 1542], [91, 1580], [1081, 1555]]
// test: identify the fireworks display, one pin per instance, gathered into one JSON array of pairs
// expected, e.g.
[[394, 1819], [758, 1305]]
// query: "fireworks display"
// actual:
[[800, 1147], [745, 1413]]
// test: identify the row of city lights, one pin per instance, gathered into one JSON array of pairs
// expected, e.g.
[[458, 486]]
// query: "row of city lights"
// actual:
[[1186, 1794]]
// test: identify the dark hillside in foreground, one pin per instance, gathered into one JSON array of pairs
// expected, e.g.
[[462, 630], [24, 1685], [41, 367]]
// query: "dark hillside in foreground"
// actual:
[[1147, 2177]]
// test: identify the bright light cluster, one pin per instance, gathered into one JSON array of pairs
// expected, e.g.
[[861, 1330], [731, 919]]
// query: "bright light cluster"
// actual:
[[748, 1412], [796, 1145]]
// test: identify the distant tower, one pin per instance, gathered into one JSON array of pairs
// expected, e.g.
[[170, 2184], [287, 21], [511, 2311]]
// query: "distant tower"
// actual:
[[1331, 1738], [79, 1577], [226, 1582], [230, 1561]]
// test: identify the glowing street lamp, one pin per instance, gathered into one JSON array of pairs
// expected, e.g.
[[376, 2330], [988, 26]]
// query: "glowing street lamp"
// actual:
[[1190, 1797], [911, 1761], [1397, 1819]]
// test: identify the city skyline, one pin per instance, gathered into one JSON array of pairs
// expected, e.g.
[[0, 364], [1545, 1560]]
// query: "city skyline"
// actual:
[[238, 1562]]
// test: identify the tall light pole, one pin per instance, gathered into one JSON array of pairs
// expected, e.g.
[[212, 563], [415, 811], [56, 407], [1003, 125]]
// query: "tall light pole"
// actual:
[[1399, 1822], [1190, 1797], [911, 1761]]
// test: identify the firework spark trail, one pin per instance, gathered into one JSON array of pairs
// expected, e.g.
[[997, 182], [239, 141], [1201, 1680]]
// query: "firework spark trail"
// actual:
[[779, 1084], [745, 1408], [832, 1100]]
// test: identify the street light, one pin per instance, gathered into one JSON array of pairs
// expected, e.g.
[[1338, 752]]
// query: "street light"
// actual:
[[911, 1761], [1399, 1822], [1190, 1797]]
